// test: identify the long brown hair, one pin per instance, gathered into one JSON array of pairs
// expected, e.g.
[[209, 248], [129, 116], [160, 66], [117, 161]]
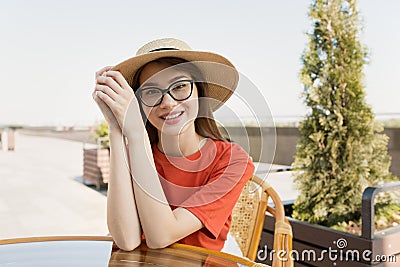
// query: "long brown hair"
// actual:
[[205, 125]]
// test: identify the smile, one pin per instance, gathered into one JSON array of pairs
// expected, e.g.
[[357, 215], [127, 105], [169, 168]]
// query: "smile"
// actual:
[[172, 116]]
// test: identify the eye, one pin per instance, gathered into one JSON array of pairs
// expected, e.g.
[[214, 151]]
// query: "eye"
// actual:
[[150, 91], [180, 85]]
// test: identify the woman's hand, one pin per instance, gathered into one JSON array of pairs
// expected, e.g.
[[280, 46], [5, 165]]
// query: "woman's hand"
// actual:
[[118, 97], [107, 113]]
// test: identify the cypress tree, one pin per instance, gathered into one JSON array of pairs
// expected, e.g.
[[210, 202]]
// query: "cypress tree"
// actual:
[[341, 149]]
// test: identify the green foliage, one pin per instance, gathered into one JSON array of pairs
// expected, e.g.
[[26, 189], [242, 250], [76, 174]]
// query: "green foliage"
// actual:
[[392, 123], [101, 134], [341, 149], [387, 214]]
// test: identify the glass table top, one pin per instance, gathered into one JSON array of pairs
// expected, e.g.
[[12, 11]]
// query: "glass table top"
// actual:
[[95, 253]]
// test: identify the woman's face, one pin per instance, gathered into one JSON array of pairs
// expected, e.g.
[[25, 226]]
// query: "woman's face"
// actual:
[[171, 117]]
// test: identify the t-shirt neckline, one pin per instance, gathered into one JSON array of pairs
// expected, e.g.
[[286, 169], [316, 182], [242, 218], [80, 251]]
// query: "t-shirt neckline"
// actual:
[[193, 156]]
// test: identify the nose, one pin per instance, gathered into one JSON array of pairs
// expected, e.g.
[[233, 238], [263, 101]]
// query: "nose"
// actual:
[[168, 102]]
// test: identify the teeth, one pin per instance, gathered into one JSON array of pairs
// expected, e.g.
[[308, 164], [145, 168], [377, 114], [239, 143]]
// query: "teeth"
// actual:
[[170, 117]]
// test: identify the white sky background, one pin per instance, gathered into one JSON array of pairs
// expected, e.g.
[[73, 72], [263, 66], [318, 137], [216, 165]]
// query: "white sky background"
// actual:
[[49, 50]]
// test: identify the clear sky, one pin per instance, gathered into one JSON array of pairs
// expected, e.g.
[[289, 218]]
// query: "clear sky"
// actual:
[[49, 50]]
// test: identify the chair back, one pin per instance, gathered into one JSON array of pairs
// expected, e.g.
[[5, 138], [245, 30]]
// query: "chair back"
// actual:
[[248, 220]]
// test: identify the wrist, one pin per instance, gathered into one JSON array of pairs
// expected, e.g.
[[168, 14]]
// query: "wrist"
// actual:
[[136, 135], [114, 131]]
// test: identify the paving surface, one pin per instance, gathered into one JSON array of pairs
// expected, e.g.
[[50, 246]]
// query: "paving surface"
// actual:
[[41, 193], [279, 178], [41, 190]]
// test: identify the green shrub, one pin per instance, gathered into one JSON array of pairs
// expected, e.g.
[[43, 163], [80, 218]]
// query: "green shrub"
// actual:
[[341, 149], [101, 135]]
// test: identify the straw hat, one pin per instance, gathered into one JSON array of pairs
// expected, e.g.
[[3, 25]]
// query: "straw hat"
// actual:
[[218, 72]]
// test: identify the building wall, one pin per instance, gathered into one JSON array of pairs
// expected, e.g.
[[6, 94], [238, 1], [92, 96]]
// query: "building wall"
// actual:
[[262, 149]]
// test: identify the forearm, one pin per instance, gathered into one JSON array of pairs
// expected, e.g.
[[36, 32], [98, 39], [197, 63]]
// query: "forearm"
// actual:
[[122, 218], [161, 225]]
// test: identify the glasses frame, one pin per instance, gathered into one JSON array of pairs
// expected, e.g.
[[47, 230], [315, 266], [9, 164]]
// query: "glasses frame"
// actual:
[[165, 91]]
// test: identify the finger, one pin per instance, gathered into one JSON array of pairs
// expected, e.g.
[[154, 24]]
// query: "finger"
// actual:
[[107, 90], [114, 107], [107, 113], [106, 99], [110, 82], [98, 101], [117, 76], [102, 70]]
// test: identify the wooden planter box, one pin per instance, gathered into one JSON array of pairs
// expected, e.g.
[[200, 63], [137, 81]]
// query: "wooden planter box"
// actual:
[[96, 167], [315, 245]]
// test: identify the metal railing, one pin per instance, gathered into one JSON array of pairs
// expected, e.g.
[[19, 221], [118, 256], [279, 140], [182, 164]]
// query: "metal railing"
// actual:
[[368, 208]]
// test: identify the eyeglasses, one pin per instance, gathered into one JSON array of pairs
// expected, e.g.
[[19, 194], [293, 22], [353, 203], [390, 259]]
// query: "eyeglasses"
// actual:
[[153, 96]]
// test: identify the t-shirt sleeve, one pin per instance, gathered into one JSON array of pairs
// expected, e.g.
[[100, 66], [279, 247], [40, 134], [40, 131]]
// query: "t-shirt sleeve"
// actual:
[[213, 203]]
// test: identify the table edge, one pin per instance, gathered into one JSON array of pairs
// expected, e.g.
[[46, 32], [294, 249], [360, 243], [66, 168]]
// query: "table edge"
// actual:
[[54, 238]]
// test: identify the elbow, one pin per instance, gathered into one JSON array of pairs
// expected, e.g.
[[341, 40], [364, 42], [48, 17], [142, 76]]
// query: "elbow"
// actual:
[[126, 242], [156, 243], [125, 239], [127, 245]]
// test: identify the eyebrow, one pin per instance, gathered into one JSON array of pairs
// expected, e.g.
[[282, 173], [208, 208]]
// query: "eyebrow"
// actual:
[[170, 81]]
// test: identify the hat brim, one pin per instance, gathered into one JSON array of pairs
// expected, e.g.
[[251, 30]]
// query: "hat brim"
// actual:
[[219, 73]]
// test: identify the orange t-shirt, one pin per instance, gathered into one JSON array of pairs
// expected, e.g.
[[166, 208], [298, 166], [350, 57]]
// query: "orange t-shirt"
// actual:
[[208, 184]]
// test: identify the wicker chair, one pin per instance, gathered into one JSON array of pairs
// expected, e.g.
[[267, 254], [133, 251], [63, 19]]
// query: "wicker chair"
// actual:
[[248, 220]]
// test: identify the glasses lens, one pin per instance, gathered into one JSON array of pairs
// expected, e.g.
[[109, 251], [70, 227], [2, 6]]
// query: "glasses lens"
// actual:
[[150, 96], [181, 90]]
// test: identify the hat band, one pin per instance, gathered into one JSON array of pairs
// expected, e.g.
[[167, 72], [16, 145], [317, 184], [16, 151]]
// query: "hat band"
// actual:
[[163, 48]]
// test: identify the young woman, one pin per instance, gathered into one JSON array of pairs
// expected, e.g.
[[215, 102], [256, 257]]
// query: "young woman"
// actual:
[[174, 177]]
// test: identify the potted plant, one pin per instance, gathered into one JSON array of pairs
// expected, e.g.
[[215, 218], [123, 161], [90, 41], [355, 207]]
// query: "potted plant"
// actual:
[[96, 160], [341, 153]]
